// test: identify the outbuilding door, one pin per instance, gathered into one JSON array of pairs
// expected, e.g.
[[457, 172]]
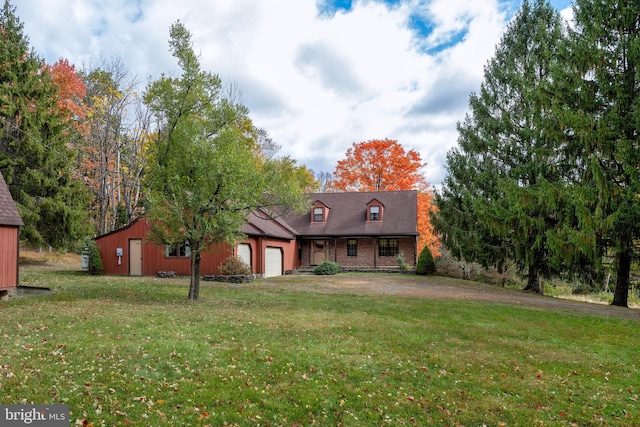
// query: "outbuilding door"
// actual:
[[273, 262], [135, 257]]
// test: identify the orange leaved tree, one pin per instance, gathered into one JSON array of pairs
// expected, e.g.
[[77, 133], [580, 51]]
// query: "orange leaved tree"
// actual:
[[384, 165], [71, 92]]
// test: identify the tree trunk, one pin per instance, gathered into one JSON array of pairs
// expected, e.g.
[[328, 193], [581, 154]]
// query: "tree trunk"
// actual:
[[194, 285], [621, 294], [533, 281]]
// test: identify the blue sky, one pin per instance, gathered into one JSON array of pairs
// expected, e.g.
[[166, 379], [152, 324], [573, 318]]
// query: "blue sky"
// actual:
[[318, 75]]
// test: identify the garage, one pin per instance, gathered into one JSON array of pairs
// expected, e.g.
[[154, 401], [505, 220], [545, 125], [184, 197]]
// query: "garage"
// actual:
[[244, 253], [273, 262]]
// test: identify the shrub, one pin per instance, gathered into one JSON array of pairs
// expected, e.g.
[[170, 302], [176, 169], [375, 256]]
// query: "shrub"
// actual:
[[426, 264], [95, 262], [327, 268], [235, 266], [402, 263]]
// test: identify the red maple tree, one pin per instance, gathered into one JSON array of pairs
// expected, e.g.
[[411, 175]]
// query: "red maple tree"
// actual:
[[71, 92], [384, 165]]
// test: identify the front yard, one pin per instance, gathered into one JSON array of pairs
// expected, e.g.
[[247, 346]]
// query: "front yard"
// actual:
[[292, 351]]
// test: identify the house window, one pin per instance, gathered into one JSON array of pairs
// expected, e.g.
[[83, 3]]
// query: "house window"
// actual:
[[318, 214], [177, 250], [352, 247], [374, 213], [387, 247]]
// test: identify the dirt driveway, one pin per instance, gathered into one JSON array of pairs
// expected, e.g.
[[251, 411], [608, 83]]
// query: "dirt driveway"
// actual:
[[443, 288]]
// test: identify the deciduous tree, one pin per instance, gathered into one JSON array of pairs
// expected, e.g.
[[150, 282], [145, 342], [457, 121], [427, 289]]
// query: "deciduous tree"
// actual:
[[71, 92], [379, 164], [206, 172], [112, 152], [325, 180]]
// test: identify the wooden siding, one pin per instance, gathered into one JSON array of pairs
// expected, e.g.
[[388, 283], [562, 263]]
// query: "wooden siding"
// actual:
[[9, 244], [153, 256]]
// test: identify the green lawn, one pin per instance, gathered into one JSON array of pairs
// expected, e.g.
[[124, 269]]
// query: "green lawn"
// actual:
[[133, 351]]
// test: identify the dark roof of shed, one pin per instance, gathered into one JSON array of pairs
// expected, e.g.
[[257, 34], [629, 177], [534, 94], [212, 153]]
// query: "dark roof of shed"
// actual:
[[348, 215], [9, 214]]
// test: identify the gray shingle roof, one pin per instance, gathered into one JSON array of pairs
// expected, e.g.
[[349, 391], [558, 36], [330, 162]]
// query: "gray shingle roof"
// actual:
[[259, 223], [9, 214], [348, 215]]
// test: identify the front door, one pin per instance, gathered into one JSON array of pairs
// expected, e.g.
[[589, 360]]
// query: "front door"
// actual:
[[135, 257], [319, 251]]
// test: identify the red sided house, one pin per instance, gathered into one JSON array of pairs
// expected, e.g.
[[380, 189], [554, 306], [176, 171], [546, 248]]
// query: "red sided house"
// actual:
[[10, 222], [357, 230]]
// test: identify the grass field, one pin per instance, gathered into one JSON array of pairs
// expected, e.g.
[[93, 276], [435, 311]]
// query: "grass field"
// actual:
[[133, 351]]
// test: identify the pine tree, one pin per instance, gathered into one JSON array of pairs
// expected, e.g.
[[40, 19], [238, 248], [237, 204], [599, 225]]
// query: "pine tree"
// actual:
[[34, 157], [494, 204], [426, 264], [598, 92]]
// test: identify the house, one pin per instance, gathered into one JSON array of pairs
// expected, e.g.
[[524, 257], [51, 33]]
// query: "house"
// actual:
[[358, 230], [365, 230], [10, 223]]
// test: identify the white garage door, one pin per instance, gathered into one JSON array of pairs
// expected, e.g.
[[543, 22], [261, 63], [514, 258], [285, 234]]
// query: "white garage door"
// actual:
[[244, 253], [273, 262]]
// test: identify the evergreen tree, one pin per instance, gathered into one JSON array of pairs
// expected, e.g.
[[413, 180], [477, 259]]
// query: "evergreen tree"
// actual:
[[34, 157], [598, 92], [426, 264], [494, 204]]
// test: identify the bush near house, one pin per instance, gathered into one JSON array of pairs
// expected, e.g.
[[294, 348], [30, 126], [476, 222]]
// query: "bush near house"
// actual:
[[327, 268], [426, 264], [235, 266]]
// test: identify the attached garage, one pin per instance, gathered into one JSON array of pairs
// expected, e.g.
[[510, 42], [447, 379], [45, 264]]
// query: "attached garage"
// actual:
[[273, 262]]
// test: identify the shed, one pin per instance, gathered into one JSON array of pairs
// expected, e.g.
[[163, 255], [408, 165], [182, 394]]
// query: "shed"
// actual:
[[10, 223]]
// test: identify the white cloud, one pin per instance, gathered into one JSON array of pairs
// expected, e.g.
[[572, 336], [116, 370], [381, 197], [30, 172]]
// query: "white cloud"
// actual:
[[316, 83]]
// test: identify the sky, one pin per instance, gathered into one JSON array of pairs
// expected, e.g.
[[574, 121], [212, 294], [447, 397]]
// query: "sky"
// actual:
[[318, 75]]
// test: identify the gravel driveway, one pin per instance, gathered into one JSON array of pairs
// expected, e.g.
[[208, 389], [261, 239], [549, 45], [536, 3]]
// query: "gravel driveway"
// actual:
[[408, 285]]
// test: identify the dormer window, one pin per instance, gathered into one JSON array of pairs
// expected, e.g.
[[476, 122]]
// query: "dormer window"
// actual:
[[374, 213], [319, 212]]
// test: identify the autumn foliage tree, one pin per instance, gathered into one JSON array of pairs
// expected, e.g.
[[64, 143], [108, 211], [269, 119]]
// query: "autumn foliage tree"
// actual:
[[379, 165], [384, 165], [71, 92], [112, 152]]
